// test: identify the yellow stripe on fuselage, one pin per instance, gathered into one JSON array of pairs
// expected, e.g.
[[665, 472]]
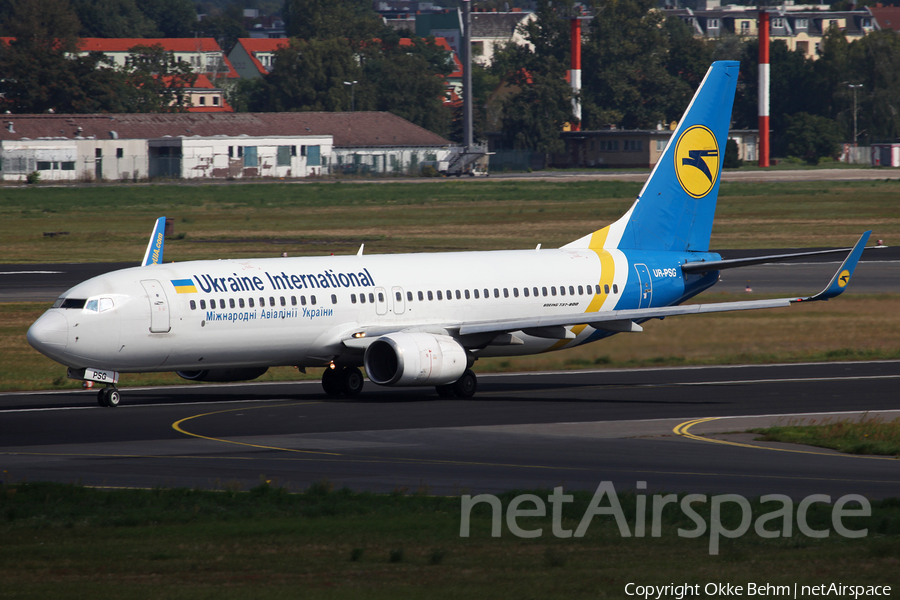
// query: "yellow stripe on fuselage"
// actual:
[[185, 289], [607, 275]]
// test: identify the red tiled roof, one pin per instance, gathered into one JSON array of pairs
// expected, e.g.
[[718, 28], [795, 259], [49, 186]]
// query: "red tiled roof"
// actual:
[[888, 17], [168, 44], [263, 44], [349, 129]]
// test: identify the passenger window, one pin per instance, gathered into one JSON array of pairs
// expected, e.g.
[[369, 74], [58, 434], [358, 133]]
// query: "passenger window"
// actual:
[[409, 296], [250, 302], [467, 294], [597, 290], [302, 300], [430, 295], [362, 298], [535, 292], [516, 292], [552, 290], [496, 293], [283, 303], [312, 300], [605, 289], [571, 291], [203, 304], [352, 298], [615, 289], [372, 298], [293, 300], [271, 301], [262, 302], [193, 305], [580, 290], [449, 295], [421, 297], [487, 294], [458, 295], [506, 292], [544, 290], [525, 291], [476, 294], [231, 302], [562, 290], [440, 297], [105, 304], [241, 302], [333, 299], [399, 296], [222, 303]]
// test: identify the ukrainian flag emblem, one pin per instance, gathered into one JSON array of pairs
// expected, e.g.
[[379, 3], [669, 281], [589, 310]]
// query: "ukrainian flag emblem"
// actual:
[[184, 286]]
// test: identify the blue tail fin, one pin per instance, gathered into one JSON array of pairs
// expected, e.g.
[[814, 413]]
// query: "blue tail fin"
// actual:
[[675, 209]]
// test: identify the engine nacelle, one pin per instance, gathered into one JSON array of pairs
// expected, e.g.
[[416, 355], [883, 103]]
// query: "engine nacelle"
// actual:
[[403, 359], [221, 375]]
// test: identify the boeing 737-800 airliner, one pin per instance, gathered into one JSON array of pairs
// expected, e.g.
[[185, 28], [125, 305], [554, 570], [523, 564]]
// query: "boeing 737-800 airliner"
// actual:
[[417, 319]]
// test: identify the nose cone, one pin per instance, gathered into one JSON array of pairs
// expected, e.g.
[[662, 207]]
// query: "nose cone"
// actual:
[[49, 333]]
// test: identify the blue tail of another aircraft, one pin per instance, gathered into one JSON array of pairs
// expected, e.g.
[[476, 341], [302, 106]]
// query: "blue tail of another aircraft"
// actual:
[[676, 207]]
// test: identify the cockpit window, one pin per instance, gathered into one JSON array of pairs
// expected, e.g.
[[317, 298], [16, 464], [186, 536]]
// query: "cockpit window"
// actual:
[[71, 303], [91, 305], [106, 304]]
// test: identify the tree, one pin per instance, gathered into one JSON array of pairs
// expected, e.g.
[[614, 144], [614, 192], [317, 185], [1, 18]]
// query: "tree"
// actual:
[[172, 18], [625, 75], [113, 19], [308, 75], [812, 137], [226, 26], [156, 81], [533, 118], [330, 19]]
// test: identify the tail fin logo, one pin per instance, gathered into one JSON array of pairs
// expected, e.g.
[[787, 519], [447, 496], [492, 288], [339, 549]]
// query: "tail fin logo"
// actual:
[[697, 161]]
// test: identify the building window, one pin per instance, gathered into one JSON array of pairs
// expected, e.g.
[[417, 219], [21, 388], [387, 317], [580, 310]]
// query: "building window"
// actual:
[[477, 48], [660, 145], [312, 156], [230, 151], [802, 23], [712, 23], [745, 27], [778, 23], [867, 23], [250, 159], [120, 152], [803, 47], [609, 145], [633, 145], [215, 100], [202, 100], [284, 156]]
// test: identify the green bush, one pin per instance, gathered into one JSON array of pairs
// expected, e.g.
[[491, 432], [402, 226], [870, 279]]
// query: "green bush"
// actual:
[[32, 177]]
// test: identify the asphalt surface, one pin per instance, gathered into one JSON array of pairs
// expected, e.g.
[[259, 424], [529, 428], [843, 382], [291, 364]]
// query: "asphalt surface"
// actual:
[[878, 272], [573, 429]]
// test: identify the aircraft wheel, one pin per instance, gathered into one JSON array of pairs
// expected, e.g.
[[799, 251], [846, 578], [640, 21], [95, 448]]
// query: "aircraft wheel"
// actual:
[[351, 381], [113, 397], [331, 382], [101, 396], [466, 385], [445, 391]]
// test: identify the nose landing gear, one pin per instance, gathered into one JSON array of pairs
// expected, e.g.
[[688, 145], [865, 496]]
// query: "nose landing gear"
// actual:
[[109, 396]]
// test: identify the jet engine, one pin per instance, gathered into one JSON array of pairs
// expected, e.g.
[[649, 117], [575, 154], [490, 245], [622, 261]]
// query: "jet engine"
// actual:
[[404, 359], [220, 375]]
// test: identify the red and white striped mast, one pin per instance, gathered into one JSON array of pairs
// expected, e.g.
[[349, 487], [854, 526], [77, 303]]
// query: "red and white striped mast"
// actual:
[[763, 86], [575, 72]]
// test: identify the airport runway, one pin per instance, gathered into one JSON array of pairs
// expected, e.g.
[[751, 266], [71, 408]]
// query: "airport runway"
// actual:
[[573, 429], [878, 272]]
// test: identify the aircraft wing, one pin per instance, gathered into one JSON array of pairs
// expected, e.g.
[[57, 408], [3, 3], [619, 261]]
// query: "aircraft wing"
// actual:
[[553, 326]]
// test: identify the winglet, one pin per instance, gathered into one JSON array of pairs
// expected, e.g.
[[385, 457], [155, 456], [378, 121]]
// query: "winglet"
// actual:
[[154, 253], [842, 277]]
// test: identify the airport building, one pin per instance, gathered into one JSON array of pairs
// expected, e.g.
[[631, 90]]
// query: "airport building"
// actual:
[[212, 145]]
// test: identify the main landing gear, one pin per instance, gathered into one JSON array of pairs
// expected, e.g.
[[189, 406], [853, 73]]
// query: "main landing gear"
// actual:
[[464, 387], [342, 381], [109, 396]]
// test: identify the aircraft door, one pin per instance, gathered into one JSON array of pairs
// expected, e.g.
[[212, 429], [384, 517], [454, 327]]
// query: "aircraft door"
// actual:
[[399, 303], [380, 301], [646, 285], [159, 306]]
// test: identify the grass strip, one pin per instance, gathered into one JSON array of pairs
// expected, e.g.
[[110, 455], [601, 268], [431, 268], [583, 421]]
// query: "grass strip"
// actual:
[[314, 219], [869, 435], [66, 541]]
